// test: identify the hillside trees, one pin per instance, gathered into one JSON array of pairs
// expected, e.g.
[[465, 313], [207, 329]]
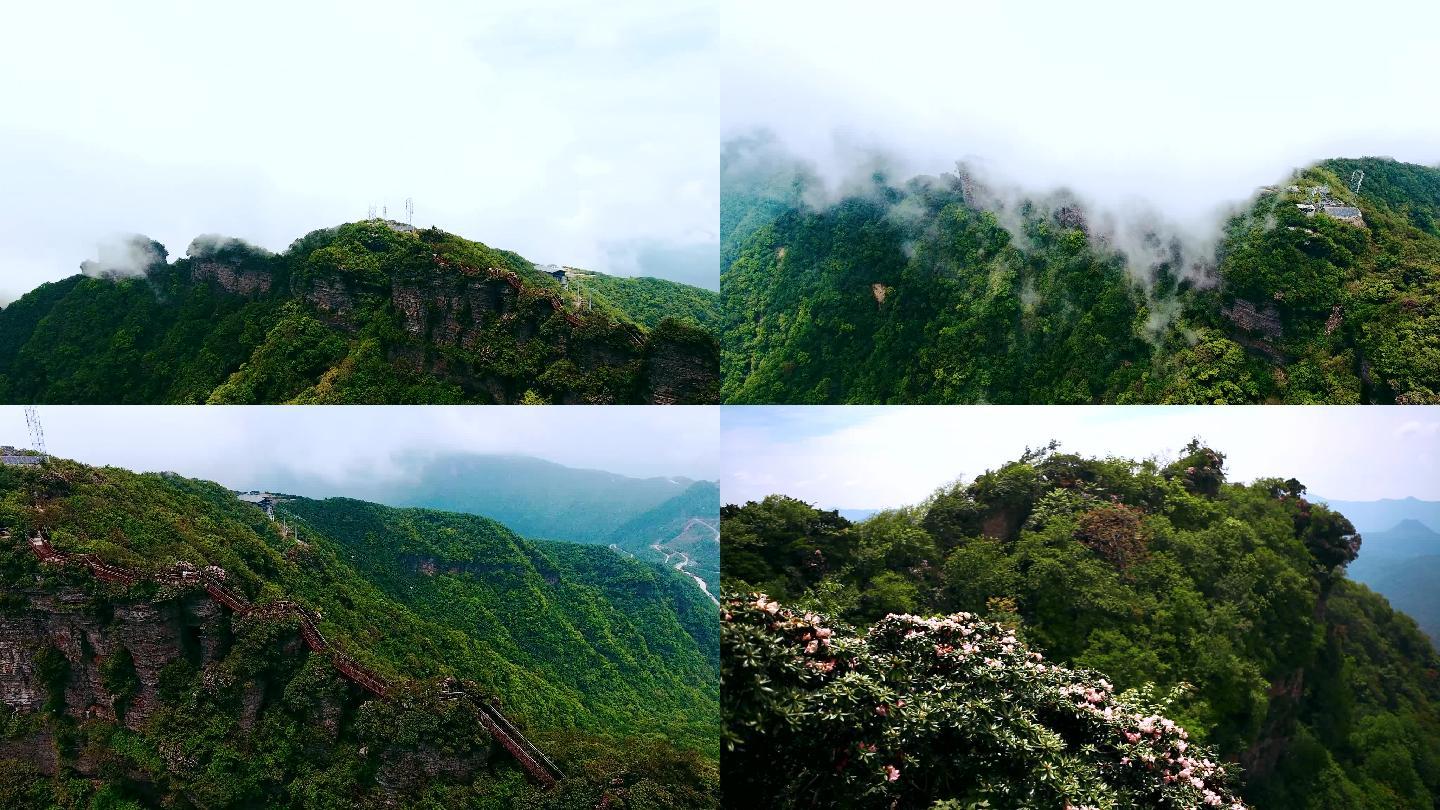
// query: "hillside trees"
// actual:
[[939, 290], [1168, 576]]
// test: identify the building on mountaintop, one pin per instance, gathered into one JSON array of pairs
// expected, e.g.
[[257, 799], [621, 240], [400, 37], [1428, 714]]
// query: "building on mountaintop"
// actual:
[[555, 271], [1345, 213], [15, 457]]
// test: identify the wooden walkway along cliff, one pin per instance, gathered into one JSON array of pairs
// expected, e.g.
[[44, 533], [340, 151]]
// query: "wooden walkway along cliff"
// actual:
[[212, 579]]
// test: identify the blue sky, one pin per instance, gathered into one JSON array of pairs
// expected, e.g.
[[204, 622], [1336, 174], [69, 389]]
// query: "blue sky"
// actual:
[[568, 131], [240, 446], [865, 458]]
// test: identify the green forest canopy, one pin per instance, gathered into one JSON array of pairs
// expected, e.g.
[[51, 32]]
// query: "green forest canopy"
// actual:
[[1166, 578], [360, 313], [611, 665], [917, 292]]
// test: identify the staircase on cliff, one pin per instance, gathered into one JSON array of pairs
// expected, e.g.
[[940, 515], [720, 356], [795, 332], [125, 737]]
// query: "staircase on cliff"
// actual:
[[212, 578]]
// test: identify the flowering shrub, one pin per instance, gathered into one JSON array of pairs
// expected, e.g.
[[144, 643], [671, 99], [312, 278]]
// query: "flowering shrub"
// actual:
[[1201, 469], [918, 711]]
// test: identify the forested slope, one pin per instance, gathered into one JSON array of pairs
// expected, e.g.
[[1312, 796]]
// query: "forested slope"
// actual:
[[1232, 596], [648, 301], [938, 289], [139, 694], [365, 312]]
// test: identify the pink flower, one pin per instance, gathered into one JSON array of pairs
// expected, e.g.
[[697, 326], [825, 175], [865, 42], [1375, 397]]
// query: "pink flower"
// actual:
[[882, 710], [812, 647], [891, 773]]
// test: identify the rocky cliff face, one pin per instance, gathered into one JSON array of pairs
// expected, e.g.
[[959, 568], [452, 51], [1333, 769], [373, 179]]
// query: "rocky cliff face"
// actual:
[[71, 625], [333, 295], [86, 633], [445, 311], [234, 280], [680, 371]]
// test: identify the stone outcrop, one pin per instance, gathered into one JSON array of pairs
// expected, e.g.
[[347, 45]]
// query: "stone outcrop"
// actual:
[[187, 621], [448, 311], [153, 634], [331, 295], [1247, 316], [234, 280], [680, 371]]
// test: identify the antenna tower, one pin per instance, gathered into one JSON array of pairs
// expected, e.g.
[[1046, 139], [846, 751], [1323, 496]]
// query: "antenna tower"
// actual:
[[409, 211], [1358, 177], [37, 433], [370, 214]]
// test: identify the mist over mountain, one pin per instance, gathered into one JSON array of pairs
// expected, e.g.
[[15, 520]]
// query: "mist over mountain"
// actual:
[[1387, 513], [1126, 105], [1402, 563], [536, 498], [890, 287], [581, 137]]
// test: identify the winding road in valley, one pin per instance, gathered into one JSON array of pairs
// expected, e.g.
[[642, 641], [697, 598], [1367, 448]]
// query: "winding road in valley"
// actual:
[[685, 560]]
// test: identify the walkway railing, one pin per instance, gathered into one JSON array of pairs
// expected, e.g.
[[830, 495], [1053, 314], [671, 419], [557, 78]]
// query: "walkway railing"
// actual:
[[532, 759]]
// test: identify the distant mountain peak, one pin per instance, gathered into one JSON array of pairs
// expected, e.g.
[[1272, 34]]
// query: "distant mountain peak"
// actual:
[[1413, 526]]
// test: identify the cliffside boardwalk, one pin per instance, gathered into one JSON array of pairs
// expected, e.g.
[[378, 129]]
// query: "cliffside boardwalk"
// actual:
[[211, 578]]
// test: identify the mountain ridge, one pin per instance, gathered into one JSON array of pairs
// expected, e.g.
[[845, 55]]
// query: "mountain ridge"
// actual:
[[893, 292], [535, 497], [589, 652], [364, 312]]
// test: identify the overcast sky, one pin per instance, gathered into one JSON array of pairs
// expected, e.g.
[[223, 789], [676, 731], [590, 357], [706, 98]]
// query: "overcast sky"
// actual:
[[1183, 105], [850, 457], [238, 446], [568, 131]]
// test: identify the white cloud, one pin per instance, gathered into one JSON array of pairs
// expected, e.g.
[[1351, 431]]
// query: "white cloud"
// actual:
[[879, 457], [242, 446], [1418, 429], [1186, 106], [268, 120]]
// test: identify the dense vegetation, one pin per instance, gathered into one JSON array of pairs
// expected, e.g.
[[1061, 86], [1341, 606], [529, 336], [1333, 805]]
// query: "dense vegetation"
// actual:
[[610, 664], [358, 313], [937, 290], [1230, 598], [956, 709], [648, 301], [545, 500]]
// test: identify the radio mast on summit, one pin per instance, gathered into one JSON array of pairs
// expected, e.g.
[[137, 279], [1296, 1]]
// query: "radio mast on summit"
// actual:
[[409, 211], [37, 433]]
